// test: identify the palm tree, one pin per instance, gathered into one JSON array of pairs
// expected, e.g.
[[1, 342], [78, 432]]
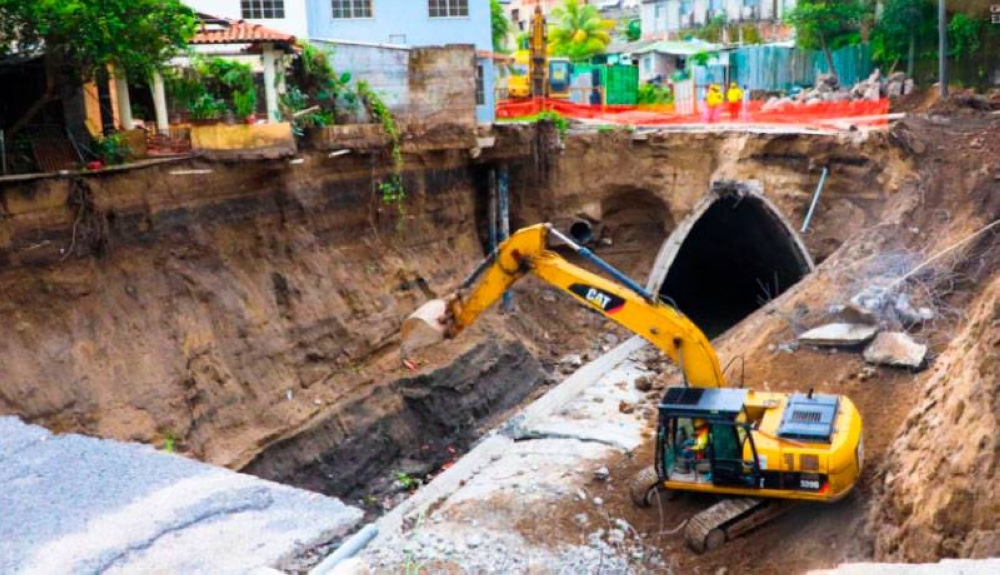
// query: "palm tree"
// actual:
[[500, 25], [577, 31]]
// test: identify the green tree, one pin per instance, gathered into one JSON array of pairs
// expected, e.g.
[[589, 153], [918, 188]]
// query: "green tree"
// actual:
[[827, 24], [577, 31], [963, 36], [500, 26], [80, 37], [633, 30], [903, 25]]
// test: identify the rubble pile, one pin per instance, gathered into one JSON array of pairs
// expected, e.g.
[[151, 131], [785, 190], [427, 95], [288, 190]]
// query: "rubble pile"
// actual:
[[828, 89]]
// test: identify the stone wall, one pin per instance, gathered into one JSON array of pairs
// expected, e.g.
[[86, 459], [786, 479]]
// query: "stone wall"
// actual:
[[426, 87]]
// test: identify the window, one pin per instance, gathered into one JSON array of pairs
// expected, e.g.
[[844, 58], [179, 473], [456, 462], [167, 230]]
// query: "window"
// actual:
[[261, 9], [351, 8], [448, 8], [480, 86]]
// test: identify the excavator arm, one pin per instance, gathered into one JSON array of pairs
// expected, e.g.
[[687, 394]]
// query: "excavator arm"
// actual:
[[623, 301]]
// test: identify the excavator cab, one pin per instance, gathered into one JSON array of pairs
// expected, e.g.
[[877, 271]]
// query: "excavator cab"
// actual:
[[730, 457]]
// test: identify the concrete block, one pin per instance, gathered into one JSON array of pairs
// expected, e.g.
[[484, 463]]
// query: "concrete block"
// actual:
[[896, 349], [839, 334]]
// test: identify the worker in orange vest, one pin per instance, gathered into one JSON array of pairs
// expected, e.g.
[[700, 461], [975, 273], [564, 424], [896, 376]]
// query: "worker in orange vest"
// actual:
[[695, 447], [734, 99], [714, 102]]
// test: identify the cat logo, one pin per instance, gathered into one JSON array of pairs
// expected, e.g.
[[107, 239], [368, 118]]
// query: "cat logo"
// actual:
[[597, 298], [606, 302]]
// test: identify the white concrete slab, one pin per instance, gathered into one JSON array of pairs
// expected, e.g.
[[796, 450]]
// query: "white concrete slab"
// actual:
[[839, 334], [73, 504]]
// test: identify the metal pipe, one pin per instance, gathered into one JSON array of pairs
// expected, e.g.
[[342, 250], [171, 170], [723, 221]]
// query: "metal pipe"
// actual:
[[492, 209], [346, 550], [815, 200], [503, 186], [582, 231], [605, 266], [3, 153]]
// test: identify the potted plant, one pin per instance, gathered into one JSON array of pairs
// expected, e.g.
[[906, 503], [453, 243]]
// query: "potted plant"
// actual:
[[245, 103], [205, 110]]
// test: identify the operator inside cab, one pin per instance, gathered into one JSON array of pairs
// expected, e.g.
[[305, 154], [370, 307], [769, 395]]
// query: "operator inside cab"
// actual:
[[695, 447]]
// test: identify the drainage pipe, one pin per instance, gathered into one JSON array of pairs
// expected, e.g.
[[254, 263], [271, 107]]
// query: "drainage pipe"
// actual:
[[815, 200], [347, 550], [492, 209], [503, 185]]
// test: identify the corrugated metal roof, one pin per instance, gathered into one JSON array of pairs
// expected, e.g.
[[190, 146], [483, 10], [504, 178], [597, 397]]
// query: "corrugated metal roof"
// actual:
[[687, 48]]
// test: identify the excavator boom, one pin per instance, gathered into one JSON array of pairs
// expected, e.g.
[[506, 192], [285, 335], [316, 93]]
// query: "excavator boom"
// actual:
[[622, 301]]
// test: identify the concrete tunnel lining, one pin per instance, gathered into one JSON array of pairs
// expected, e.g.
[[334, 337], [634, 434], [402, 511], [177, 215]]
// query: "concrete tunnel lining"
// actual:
[[734, 251]]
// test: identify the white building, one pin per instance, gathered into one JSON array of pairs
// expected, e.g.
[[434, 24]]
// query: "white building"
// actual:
[[286, 15], [660, 17]]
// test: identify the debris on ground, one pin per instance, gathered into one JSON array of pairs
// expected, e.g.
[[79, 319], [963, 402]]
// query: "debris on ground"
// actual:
[[828, 89], [839, 334], [570, 363], [602, 474], [644, 383], [896, 349]]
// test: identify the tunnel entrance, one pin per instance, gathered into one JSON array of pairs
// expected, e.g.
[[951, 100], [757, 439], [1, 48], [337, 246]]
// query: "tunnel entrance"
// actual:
[[738, 254]]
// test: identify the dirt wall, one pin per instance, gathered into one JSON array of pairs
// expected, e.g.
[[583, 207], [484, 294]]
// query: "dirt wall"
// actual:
[[217, 304]]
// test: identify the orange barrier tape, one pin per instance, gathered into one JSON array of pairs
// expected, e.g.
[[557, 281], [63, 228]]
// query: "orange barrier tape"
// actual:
[[817, 114]]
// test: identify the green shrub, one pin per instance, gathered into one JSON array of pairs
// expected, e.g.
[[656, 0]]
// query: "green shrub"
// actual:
[[206, 107], [111, 149], [653, 94]]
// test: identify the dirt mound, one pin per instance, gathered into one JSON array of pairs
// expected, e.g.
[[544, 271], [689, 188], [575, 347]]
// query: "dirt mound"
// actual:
[[941, 481]]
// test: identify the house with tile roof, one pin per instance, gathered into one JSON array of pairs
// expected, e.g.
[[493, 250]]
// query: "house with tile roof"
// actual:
[[285, 15]]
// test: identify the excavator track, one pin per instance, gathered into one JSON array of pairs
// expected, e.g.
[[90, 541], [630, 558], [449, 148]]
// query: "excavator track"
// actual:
[[729, 518]]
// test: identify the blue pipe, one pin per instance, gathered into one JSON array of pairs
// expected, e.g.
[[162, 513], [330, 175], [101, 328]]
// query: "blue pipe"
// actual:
[[812, 206], [624, 279]]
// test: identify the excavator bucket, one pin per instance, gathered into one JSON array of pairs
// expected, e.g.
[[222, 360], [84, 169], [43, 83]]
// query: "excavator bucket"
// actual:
[[424, 327]]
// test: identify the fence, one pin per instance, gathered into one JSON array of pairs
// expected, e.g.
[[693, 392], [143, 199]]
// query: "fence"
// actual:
[[782, 67], [619, 84], [820, 115]]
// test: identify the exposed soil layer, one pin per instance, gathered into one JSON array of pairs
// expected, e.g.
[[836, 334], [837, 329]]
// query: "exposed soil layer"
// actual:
[[405, 429]]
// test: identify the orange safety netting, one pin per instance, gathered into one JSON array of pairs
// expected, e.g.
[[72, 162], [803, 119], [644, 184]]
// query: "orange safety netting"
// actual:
[[816, 114]]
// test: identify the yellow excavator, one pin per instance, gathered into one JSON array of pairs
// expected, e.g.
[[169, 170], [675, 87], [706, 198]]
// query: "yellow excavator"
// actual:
[[536, 74], [765, 450]]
